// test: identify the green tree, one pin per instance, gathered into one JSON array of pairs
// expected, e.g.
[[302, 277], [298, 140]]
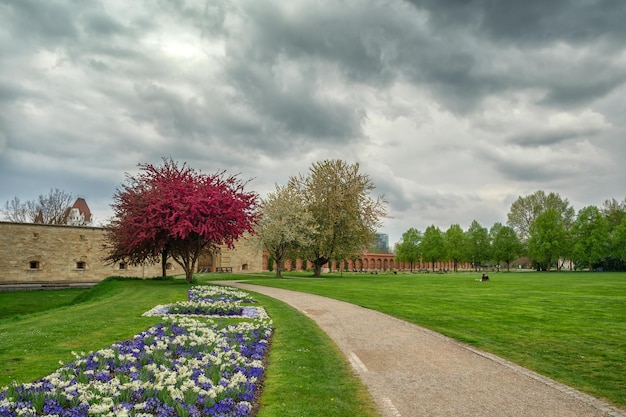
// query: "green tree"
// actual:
[[478, 244], [614, 212], [433, 245], [525, 210], [455, 244], [285, 225], [505, 244], [618, 241], [338, 197], [590, 234], [548, 238], [408, 249]]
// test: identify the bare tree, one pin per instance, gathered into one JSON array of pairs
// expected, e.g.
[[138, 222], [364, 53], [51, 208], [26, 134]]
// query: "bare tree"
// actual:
[[48, 209], [53, 207], [16, 211]]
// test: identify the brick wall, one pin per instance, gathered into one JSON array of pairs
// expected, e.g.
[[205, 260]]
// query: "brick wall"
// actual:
[[38, 253]]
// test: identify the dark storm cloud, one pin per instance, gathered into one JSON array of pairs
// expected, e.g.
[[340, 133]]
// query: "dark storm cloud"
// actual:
[[310, 44], [35, 20], [489, 47], [532, 21]]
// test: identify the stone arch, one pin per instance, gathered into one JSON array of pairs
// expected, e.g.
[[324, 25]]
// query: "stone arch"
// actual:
[[205, 262]]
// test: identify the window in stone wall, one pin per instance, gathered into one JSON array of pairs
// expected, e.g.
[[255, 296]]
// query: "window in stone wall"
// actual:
[[169, 266], [244, 267], [80, 265], [122, 265], [34, 265]]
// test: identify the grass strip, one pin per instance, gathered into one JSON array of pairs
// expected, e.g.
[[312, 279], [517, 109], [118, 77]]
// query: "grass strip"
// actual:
[[17, 303], [307, 374]]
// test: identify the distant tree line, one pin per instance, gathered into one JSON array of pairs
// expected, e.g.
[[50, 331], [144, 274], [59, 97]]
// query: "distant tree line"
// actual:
[[543, 227]]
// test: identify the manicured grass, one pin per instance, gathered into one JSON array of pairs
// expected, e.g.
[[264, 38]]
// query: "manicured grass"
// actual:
[[31, 346], [307, 376], [26, 302], [568, 326]]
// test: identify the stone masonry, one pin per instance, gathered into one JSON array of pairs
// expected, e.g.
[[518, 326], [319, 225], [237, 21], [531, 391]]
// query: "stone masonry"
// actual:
[[52, 254]]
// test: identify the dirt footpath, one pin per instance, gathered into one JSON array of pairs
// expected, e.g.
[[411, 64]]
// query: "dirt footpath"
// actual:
[[411, 371]]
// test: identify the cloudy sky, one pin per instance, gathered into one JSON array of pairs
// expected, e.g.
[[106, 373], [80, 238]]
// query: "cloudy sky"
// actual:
[[453, 108]]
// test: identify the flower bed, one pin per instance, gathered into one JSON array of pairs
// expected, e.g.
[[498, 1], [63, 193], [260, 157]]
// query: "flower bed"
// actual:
[[211, 301], [182, 367]]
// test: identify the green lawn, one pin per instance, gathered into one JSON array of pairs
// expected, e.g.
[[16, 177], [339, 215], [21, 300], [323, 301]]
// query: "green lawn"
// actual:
[[27, 302], [568, 326], [307, 375]]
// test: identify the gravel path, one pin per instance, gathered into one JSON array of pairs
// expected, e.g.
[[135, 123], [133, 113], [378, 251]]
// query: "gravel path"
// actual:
[[411, 371]]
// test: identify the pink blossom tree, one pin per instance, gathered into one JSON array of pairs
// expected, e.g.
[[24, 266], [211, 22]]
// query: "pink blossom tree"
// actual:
[[178, 212]]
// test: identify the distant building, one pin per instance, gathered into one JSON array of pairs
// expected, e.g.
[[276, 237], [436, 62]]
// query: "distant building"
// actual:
[[381, 244], [55, 255], [79, 214]]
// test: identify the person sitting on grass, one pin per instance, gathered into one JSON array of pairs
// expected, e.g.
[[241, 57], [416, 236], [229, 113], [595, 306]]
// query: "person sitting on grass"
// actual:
[[484, 278]]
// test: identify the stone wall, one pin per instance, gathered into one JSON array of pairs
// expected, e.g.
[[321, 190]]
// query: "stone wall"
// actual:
[[40, 254]]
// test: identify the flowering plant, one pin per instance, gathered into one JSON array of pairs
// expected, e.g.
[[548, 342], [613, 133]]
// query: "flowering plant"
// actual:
[[222, 308], [182, 367], [212, 301], [213, 293]]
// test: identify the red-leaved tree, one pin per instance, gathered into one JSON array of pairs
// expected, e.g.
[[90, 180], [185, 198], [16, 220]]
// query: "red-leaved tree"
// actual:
[[171, 211]]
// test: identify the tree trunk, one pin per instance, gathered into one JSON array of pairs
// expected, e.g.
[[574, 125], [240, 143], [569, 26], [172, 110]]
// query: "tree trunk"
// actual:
[[187, 262], [163, 262], [317, 265], [278, 268]]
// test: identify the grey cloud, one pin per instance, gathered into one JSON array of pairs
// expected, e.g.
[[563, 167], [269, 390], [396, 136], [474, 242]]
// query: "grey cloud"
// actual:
[[351, 38], [489, 32], [538, 21], [581, 90], [308, 42], [299, 111], [551, 137], [536, 167], [207, 17], [100, 24], [11, 92], [49, 21], [530, 22]]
